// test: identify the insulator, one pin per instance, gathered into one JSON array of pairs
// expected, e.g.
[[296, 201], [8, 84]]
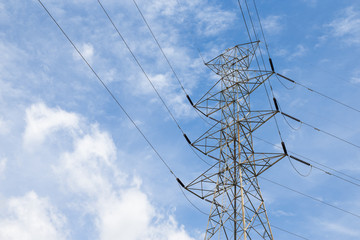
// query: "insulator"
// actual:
[[284, 148], [276, 105], [187, 139], [271, 65], [187, 96], [180, 182], [299, 160], [293, 118], [286, 78]]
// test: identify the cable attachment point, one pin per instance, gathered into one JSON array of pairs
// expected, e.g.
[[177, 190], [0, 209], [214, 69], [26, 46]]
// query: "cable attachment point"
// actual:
[[271, 65], [284, 148], [293, 118], [180, 182], [276, 105], [187, 139], [299, 160], [290, 80], [187, 96]]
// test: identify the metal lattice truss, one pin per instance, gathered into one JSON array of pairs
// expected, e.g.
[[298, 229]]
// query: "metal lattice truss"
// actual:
[[231, 185]]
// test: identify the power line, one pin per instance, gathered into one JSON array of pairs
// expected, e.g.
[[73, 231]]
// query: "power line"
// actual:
[[291, 233], [109, 91], [266, 90], [168, 61], [297, 83], [319, 93], [320, 164], [149, 80], [261, 27], [320, 130], [311, 197], [311, 90], [202, 212], [140, 66], [133, 122], [192, 204], [192, 36]]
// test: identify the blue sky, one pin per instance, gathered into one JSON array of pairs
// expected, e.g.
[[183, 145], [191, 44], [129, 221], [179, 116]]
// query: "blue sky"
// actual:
[[72, 166]]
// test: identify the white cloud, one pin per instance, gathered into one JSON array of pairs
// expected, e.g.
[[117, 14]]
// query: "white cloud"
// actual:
[[2, 165], [355, 79], [167, 7], [87, 50], [118, 206], [83, 169], [213, 20], [299, 52], [347, 26], [273, 24], [281, 213], [31, 217], [42, 121], [4, 126], [128, 215]]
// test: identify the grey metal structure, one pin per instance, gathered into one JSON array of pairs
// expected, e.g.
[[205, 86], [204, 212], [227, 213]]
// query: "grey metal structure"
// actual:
[[231, 184]]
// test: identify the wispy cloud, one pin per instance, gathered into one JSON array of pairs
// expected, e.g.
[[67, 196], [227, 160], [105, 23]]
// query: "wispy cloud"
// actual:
[[339, 229], [347, 26], [2, 165], [32, 217], [42, 121], [273, 24], [117, 204], [87, 50], [300, 51], [355, 79], [214, 20]]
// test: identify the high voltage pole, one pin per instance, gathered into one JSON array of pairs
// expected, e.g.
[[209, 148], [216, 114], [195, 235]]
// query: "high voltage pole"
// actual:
[[231, 184]]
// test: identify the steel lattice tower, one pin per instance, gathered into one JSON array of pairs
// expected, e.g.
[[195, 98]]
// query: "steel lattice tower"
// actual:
[[231, 184]]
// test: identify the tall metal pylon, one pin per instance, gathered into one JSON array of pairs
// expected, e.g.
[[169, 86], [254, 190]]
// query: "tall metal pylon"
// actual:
[[231, 184]]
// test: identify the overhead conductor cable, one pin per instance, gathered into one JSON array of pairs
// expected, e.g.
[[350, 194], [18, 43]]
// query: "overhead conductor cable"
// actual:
[[151, 83], [109, 91]]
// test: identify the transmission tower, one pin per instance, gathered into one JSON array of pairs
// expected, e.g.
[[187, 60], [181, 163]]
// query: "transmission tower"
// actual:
[[231, 183]]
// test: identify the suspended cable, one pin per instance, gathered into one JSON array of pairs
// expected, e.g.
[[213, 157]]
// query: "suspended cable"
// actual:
[[148, 78], [168, 61], [270, 85], [243, 15], [319, 130], [312, 90], [118, 103], [262, 30], [311, 197], [294, 234], [332, 135], [202, 212], [319, 93], [320, 164], [140, 66], [267, 93], [297, 83], [192, 36], [301, 174], [269, 82], [255, 34], [192, 204], [109, 91], [288, 88]]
